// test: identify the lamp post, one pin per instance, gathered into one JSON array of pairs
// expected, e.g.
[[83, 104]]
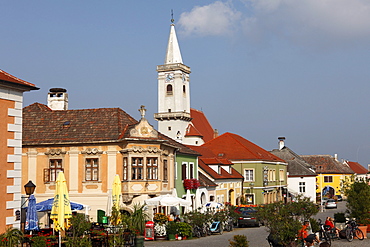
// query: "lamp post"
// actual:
[[29, 188]]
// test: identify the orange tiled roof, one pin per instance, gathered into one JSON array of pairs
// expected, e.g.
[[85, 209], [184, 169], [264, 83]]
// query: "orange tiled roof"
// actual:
[[357, 167], [200, 126], [235, 147], [4, 76], [223, 175]]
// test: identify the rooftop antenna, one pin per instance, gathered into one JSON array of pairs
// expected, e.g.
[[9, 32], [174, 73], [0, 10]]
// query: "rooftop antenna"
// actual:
[[172, 20]]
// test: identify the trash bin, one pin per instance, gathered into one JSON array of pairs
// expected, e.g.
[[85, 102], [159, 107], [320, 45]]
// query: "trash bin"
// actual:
[[104, 220]]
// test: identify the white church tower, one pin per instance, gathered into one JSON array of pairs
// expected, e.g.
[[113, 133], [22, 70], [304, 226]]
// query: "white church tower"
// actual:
[[173, 92]]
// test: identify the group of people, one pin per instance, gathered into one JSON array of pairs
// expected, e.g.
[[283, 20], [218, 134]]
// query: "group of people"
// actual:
[[310, 238]]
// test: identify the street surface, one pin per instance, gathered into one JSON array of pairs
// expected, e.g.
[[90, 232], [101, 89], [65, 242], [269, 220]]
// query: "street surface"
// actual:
[[256, 236]]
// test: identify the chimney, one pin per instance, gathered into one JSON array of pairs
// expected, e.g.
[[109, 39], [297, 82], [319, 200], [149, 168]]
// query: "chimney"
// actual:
[[58, 99], [281, 142], [215, 133], [336, 157]]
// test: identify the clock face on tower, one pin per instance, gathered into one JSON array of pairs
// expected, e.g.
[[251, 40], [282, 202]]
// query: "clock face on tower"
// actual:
[[169, 77], [183, 77]]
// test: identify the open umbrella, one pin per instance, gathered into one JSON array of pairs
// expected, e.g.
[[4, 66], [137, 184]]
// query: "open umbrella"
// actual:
[[61, 212], [116, 192], [32, 221], [116, 198], [47, 205]]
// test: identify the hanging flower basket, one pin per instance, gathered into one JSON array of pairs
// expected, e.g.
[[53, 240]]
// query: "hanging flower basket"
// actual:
[[192, 183]]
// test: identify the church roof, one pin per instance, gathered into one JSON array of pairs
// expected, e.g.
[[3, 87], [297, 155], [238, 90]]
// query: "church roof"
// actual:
[[173, 54], [199, 126], [235, 147], [6, 77]]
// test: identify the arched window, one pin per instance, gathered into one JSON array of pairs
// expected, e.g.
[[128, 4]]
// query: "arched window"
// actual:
[[169, 89], [183, 88]]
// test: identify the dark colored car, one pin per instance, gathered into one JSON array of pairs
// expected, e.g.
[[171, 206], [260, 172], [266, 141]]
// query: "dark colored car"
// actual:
[[339, 198], [248, 218]]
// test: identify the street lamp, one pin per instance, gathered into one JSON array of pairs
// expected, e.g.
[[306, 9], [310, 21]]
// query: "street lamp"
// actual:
[[29, 188]]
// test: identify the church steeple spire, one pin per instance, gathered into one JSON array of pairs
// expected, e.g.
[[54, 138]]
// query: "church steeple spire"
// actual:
[[173, 54]]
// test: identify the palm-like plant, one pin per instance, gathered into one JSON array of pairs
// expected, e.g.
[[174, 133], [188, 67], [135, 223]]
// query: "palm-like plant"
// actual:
[[11, 237]]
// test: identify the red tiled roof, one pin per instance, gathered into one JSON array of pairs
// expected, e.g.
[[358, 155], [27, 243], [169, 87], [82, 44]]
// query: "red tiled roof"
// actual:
[[201, 126], [223, 175], [192, 131], [235, 147], [357, 167], [4, 76]]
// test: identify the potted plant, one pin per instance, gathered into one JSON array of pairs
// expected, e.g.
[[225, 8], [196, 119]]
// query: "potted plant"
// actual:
[[136, 223], [11, 237], [160, 221], [184, 229], [340, 220], [171, 230]]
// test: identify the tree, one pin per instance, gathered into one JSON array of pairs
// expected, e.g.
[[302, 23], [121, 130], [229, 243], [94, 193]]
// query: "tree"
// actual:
[[358, 200], [285, 220]]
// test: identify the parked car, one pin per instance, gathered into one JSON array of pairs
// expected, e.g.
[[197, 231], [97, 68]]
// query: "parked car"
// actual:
[[339, 198], [248, 218], [331, 203], [324, 200]]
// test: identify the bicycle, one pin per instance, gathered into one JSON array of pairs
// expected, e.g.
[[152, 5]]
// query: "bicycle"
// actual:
[[324, 234], [352, 230]]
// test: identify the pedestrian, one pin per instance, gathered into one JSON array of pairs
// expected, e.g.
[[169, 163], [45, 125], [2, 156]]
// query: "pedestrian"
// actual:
[[177, 219], [307, 238], [330, 222]]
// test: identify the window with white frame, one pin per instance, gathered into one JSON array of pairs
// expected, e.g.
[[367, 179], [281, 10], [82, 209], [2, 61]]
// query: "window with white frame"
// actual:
[[92, 169], [184, 171], [51, 173], [281, 175], [302, 187], [125, 169], [248, 175], [137, 168], [151, 168]]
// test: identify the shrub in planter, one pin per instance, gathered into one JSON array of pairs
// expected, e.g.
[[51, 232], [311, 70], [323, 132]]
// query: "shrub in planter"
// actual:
[[239, 241], [184, 229], [340, 217], [171, 227]]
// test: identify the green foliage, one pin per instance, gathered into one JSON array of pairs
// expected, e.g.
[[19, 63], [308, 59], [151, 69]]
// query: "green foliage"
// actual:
[[196, 218], [285, 220], [184, 229], [314, 225], [11, 237], [135, 222], [160, 218], [77, 232], [358, 200], [340, 217], [239, 241], [115, 216], [171, 227]]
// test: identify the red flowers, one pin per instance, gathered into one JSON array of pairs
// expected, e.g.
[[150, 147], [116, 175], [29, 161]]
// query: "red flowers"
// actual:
[[192, 183]]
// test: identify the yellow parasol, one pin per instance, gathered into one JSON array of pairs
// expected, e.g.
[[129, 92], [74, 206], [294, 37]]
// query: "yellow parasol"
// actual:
[[116, 195], [61, 212]]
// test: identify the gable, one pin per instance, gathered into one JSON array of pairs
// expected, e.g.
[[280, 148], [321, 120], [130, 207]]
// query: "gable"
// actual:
[[200, 126]]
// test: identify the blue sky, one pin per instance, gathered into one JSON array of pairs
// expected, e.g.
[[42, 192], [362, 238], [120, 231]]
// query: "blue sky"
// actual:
[[260, 68]]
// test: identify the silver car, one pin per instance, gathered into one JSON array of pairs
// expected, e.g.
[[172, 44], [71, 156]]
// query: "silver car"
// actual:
[[331, 203]]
